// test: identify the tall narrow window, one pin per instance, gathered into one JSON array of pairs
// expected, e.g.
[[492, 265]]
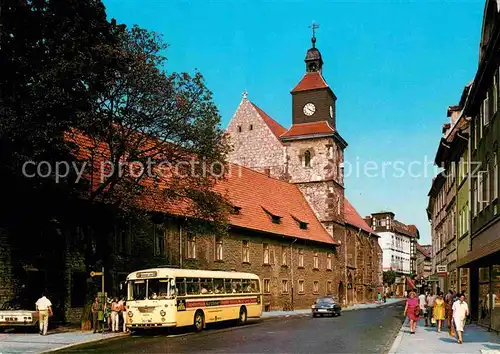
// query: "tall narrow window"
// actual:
[[474, 197], [245, 252], [475, 132], [284, 286], [316, 261], [307, 158], [267, 285], [218, 248], [495, 176], [301, 287], [191, 247], [159, 238], [284, 255], [487, 183], [480, 191], [316, 286], [486, 109], [265, 247], [329, 261], [301, 257], [328, 287]]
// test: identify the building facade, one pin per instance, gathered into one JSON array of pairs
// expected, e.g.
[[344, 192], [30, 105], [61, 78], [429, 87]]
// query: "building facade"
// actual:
[[424, 266], [398, 243], [469, 151]]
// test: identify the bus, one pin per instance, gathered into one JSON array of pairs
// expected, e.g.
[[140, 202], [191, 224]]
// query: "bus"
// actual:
[[172, 297]]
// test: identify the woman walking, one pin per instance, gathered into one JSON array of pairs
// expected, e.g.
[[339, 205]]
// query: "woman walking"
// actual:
[[412, 309], [439, 311]]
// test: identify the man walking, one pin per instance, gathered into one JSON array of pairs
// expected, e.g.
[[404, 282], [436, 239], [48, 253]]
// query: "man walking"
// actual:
[[460, 313], [430, 305], [95, 315], [44, 308], [115, 319]]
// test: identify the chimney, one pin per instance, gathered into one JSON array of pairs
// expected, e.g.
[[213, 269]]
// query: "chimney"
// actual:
[[267, 171]]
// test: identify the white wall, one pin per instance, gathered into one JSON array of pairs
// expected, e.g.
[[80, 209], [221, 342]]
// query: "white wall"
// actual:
[[396, 251]]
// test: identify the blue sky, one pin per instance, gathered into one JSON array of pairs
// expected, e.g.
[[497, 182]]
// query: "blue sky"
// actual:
[[395, 67]]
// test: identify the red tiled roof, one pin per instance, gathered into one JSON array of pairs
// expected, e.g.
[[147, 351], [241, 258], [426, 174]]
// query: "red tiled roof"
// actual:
[[353, 218], [401, 228], [311, 81], [249, 190], [275, 127], [321, 127], [422, 250]]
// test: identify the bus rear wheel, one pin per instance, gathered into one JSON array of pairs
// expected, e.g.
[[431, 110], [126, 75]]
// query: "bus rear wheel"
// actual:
[[199, 321], [242, 319]]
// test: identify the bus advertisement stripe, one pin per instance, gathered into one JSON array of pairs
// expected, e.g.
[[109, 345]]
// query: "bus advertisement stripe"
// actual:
[[210, 303]]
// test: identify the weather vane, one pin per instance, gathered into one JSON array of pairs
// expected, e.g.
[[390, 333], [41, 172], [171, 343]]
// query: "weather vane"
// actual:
[[313, 39]]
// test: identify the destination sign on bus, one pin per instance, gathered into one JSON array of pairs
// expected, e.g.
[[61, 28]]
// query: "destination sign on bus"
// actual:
[[146, 274]]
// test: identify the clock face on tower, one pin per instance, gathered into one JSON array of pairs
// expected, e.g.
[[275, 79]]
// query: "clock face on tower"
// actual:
[[309, 109]]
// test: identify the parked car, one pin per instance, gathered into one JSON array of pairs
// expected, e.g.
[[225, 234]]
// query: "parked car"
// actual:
[[326, 305], [16, 313]]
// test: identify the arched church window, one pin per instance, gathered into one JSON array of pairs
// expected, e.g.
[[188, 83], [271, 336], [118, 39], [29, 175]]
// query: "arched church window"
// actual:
[[307, 158]]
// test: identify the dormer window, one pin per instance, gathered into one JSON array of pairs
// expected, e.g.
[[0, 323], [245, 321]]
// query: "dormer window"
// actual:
[[236, 210], [302, 224], [250, 127], [276, 219], [307, 158]]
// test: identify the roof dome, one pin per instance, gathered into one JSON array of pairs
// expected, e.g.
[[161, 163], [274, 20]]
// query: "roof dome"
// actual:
[[313, 54]]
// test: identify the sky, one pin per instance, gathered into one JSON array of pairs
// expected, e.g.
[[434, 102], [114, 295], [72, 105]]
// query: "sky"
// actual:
[[395, 67]]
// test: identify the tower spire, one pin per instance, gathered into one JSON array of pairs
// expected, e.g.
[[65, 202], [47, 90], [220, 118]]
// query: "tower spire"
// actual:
[[313, 26]]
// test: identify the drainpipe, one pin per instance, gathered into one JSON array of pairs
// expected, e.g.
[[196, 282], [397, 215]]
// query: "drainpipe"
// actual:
[[180, 246], [291, 267]]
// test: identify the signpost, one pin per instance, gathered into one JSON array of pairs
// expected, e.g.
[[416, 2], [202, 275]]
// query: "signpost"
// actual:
[[103, 294]]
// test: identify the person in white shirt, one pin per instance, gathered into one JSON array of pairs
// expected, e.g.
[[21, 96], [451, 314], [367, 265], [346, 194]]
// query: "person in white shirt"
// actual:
[[460, 313], [44, 308], [421, 304]]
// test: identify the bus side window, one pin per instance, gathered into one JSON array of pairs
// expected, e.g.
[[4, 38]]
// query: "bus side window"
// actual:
[[227, 283], [254, 284], [236, 286], [192, 286], [219, 286], [206, 286], [246, 286], [181, 286]]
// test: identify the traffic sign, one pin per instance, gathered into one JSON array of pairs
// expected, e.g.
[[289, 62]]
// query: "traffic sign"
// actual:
[[95, 274]]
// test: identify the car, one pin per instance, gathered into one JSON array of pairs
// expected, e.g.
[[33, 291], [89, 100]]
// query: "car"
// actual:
[[326, 305], [16, 313]]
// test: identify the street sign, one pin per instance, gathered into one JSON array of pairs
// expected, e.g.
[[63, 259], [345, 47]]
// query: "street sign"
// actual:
[[441, 269], [432, 278], [95, 274]]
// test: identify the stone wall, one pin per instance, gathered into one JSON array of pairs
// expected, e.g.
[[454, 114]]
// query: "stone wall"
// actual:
[[253, 144], [274, 271]]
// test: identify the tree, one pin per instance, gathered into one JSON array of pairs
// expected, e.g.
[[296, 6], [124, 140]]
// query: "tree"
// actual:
[[389, 277]]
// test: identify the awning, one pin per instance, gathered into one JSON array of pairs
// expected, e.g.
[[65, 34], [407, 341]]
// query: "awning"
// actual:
[[411, 283], [474, 255]]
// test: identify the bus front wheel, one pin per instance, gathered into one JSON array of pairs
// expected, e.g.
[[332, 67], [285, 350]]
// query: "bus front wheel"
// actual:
[[242, 319], [199, 320]]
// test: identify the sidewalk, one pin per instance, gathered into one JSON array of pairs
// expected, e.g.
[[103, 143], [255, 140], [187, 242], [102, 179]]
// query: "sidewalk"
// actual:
[[427, 340], [390, 301], [35, 343]]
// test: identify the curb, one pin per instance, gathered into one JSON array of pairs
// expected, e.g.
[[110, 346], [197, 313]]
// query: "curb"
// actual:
[[399, 338], [86, 342], [344, 309]]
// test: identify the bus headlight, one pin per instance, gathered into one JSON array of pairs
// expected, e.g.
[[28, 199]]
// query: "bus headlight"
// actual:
[[162, 313], [130, 314]]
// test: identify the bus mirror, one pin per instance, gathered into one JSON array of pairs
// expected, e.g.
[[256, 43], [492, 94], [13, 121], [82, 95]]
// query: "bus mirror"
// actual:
[[172, 282]]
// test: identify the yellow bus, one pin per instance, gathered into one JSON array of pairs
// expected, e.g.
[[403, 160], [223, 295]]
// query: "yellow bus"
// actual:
[[170, 297]]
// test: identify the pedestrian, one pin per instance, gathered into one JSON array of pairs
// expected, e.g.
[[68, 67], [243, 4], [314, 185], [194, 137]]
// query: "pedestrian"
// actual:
[[460, 313], [430, 305], [124, 313], [412, 309], [449, 307], [439, 311], [422, 303], [95, 315], [44, 308], [379, 297], [115, 320]]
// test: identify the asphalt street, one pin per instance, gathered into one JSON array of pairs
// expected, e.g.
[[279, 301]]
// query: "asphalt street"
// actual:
[[357, 331]]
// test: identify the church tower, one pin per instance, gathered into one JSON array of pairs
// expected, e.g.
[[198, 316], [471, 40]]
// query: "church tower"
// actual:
[[314, 149]]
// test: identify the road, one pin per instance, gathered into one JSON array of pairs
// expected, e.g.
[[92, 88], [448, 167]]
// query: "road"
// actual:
[[358, 331]]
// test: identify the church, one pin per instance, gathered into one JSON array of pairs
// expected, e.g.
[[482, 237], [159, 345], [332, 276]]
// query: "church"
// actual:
[[310, 155]]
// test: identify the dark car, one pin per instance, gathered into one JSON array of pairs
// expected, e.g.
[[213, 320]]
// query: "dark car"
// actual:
[[327, 305]]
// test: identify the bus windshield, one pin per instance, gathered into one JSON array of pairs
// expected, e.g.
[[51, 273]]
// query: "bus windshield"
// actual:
[[149, 289]]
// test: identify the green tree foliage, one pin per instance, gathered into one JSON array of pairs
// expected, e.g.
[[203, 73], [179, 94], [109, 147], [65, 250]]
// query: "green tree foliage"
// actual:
[[389, 277]]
